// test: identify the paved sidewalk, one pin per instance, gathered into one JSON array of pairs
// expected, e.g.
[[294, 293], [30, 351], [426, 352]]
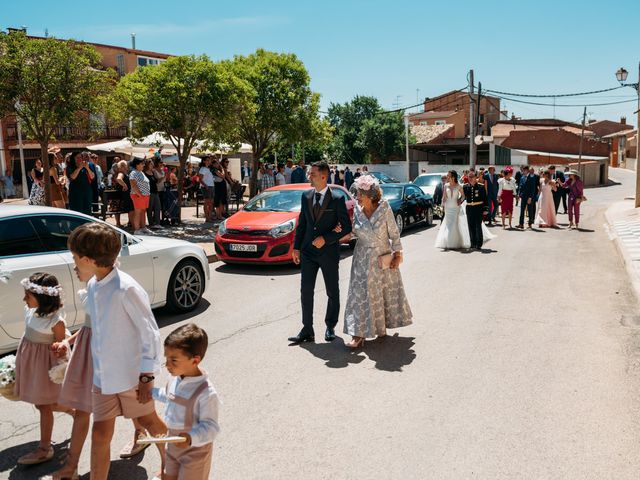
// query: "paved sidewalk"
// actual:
[[624, 229]]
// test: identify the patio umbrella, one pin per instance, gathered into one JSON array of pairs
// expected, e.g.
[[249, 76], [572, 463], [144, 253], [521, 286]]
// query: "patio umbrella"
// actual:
[[173, 160]]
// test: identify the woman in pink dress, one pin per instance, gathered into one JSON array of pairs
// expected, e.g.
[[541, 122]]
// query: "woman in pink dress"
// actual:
[[576, 197], [546, 215]]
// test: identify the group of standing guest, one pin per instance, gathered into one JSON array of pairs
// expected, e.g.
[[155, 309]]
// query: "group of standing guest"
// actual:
[[75, 181], [485, 194], [283, 174], [541, 195]]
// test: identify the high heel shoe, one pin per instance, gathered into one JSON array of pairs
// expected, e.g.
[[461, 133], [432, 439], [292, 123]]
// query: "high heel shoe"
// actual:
[[356, 343]]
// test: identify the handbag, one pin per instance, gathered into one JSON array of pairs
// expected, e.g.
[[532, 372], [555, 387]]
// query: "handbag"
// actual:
[[581, 199], [384, 261]]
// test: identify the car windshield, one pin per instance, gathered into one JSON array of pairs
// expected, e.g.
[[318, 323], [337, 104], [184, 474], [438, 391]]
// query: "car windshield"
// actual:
[[383, 177], [391, 193], [427, 180], [275, 201]]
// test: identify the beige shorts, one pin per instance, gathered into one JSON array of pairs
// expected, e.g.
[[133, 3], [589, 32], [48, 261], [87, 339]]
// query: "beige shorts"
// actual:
[[191, 463], [106, 407]]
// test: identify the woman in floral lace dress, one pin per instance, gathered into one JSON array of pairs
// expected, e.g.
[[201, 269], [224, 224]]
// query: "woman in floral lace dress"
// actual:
[[376, 299]]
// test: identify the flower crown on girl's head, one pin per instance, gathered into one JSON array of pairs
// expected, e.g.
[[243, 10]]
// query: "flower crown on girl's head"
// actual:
[[366, 182], [41, 289]]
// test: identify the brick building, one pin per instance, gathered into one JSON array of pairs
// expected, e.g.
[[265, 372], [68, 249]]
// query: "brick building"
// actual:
[[123, 60], [442, 131]]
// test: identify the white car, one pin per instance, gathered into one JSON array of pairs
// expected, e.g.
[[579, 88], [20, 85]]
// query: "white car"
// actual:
[[34, 239], [428, 181]]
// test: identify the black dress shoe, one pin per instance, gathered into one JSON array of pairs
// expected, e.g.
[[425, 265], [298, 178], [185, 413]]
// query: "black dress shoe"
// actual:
[[302, 337], [330, 335]]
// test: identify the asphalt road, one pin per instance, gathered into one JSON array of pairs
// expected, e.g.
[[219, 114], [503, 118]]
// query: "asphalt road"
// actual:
[[523, 362]]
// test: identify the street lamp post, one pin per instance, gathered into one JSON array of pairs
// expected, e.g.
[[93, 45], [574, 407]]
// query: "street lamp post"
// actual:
[[621, 76]]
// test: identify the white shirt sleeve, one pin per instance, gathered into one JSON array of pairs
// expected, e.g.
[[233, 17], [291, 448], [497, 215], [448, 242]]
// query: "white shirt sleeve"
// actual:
[[206, 430], [136, 304], [159, 394]]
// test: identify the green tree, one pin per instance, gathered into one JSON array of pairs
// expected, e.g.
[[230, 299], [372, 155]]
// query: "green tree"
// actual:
[[186, 98], [364, 133], [280, 107], [47, 83]]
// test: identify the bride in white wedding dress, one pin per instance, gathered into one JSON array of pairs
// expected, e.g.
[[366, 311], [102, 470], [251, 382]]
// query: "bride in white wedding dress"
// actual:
[[454, 230]]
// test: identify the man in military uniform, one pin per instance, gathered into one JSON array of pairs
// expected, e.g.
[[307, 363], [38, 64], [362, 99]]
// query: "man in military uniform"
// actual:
[[476, 196]]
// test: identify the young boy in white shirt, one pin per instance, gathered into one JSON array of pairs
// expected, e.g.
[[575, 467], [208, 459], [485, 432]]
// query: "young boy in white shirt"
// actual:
[[125, 342], [192, 405]]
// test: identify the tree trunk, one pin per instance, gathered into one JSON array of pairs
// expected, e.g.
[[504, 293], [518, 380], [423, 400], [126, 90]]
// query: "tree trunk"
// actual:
[[253, 180], [184, 155], [44, 156]]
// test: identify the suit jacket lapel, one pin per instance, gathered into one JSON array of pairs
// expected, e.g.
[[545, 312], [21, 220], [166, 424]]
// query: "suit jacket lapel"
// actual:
[[325, 204], [309, 197]]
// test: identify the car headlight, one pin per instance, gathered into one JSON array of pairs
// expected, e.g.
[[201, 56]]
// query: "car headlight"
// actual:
[[222, 228], [283, 229]]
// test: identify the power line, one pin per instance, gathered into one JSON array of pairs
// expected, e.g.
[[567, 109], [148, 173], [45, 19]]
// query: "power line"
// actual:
[[555, 95], [564, 104]]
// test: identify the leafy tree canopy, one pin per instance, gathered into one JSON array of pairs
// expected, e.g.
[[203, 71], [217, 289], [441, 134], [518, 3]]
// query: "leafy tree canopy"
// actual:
[[47, 83], [187, 98], [280, 107], [364, 133]]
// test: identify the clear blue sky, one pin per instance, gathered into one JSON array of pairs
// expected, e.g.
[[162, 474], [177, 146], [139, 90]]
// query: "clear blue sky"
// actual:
[[383, 48]]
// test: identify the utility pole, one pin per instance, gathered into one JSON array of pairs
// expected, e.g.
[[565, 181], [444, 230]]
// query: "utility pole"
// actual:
[[406, 145], [478, 130], [638, 142], [472, 144], [584, 119]]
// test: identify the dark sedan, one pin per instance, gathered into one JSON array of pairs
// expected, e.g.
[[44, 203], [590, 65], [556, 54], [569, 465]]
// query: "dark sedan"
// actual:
[[409, 203]]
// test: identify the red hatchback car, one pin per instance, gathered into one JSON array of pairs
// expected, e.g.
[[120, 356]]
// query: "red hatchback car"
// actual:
[[264, 229]]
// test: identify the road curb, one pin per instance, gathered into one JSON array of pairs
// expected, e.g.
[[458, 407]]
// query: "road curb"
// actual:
[[632, 267]]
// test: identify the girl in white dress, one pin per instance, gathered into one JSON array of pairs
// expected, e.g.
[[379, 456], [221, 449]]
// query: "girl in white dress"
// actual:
[[454, 231], [44, 325]]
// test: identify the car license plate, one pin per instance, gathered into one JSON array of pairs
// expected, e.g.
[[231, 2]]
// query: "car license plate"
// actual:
[[243, 247]]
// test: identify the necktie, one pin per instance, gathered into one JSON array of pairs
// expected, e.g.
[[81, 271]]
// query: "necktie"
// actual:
[[317, 206]]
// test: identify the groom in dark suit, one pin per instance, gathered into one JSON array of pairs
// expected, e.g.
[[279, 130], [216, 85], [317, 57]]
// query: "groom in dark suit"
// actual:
[[529, 190], [317, 247]]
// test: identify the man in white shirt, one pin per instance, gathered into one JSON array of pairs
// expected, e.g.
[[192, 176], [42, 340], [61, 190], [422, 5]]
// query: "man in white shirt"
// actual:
[[280, 177], [287, 171], [206, 179]]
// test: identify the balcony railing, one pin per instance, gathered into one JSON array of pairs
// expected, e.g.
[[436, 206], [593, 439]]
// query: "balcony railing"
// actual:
[[67, 133]]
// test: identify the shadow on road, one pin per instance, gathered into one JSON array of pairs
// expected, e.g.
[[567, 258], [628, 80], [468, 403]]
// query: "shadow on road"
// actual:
[[165, 316], [9, 458], [585, 230], [391, 353], [335, 354], [264, 270], [129, 469]]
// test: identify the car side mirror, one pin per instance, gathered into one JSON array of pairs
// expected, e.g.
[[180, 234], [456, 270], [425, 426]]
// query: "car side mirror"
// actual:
[[124, 241], [411, 196]]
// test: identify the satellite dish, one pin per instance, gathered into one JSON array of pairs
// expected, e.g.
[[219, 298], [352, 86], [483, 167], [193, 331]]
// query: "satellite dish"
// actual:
[[480, 139]]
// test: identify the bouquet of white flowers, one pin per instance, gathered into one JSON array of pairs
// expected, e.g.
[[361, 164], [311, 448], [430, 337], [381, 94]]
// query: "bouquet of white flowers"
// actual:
[[56, 374], [8, 376]]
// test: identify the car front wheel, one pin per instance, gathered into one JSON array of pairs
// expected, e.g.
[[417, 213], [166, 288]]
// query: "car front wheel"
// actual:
[[429, 217], [400, 222], [186, 286]]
